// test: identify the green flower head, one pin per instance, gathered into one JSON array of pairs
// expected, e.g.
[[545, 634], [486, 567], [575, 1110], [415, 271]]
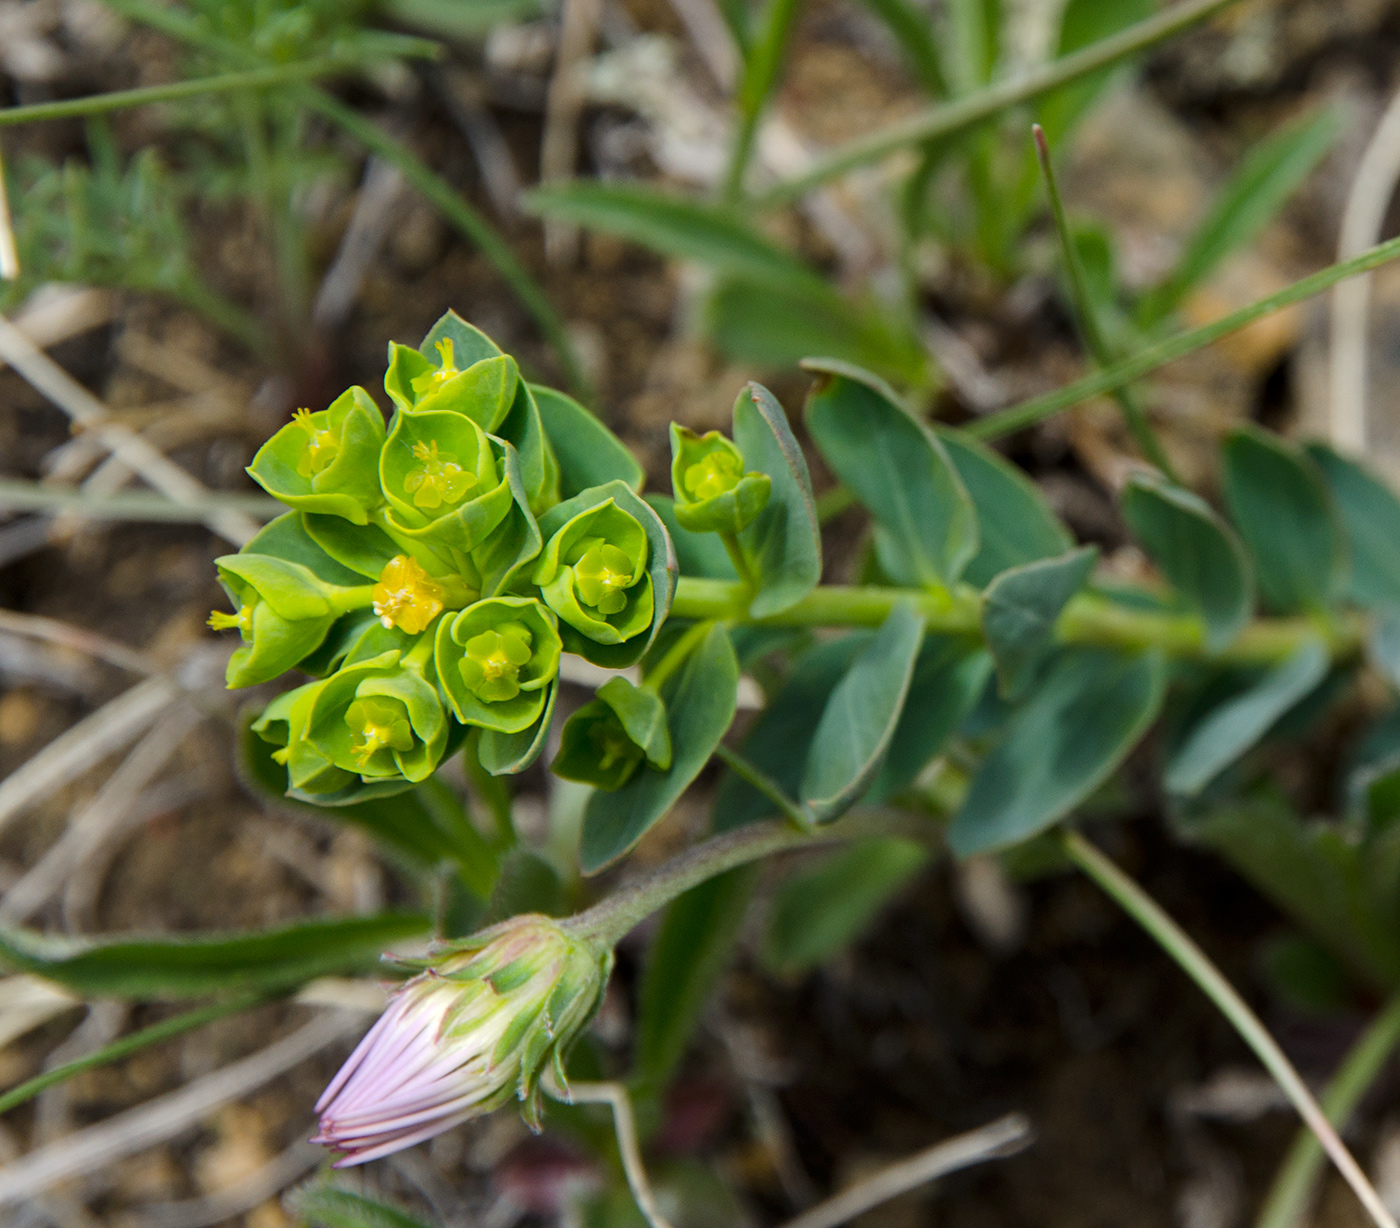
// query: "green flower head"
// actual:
[[606, 741], [283, 611], [328, 461], [496, 661], [593, 574], [380, 720], [713, 492], [443, 480]]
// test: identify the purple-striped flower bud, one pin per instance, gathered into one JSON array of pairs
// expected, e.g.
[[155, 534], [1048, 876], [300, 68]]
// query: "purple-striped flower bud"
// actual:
[[475, 1028]]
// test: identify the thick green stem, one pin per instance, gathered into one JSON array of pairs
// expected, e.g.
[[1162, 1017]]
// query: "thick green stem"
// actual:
[[1197, 965], [1088, 619], [610, 919], [1293, 1188]]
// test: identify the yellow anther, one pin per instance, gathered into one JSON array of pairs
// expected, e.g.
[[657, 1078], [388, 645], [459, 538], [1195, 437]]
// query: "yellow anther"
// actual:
[[407, 597], [438, 479], [320, 448]]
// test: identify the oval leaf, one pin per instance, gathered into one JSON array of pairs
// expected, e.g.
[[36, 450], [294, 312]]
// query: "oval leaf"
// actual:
[[784, 544], [926, 525], [700, 699], [1059, 747], [589, 454], [1019, 611], [507, 754], [1196, 550], [1282, 509], [1371, 516], [1236, 725]]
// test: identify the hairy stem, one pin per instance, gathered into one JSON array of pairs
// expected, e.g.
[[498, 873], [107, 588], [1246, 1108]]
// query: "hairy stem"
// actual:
[[1197, 965], [1296, 1182]]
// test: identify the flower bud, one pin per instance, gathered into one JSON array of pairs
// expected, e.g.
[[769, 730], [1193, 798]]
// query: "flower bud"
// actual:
[[496, 661], [593, 574], [605, 742], [713, 493], [283, 724], [477, 1027], [328, 461]]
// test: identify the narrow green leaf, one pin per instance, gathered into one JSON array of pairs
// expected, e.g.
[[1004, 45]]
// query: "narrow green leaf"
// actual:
[[700, 698], [691, 947], [950, 676], [860, 717], [1370, 514], [330, 1206], [1014, 523], [819, 911], [1269, 174], [913, 31], [1059, 747], [1232, 728], [190, 965], [589, 454], [784, 544], [1283, 511], [1196, 550], [1020, 608], [926, 525]]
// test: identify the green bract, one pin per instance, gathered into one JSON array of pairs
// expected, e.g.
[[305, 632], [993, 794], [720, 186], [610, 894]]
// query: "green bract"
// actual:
[[443, 480], [604, 742], [326, 462], [593, 574], [713, 492], [379, 719], [497, 660], [283, 724], [483, 392]]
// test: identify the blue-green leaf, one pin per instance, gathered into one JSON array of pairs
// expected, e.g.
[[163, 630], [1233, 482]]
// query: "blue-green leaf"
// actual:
[[820, 910], [1236, 725], [190, 965], [1059, 746], [508, 754], [700, 699], [925, 523], [698, 554], [588, 453], [1283, 511], [1196, 550], [1371, 516], [784, 544], [1020, 608], [860, 717], [1015, 525]]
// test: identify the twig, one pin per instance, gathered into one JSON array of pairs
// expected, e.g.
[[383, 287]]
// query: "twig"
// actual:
[[461, 95], [88, 412], [9, 253], [563, 106], [1198, 966], [996, 1141], [135, 504], [1362, 221], [166, 1116], [624, 1124], [28, 1001], [54, 631], [705, 25], [232, 1201], [380, 190]]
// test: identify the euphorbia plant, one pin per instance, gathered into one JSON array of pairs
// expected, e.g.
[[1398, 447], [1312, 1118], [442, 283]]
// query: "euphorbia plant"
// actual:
[[429, 589]]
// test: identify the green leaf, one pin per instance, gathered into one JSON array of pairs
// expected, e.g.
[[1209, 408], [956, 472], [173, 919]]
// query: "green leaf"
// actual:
[[912, 30], [926, 525], [1020, 609], [643, 716], [589, 454], [820, 910], [950, 676], [860, 717], [778, 739], [784, 544], [1059, 747], [1084, 23], [700, 698], [1269, 174], [329, 1206], [690, 950], [1283, 511], [1370, 514], [699, 554], [507, 754], [1236, 725], [1014, 523], [1196, 550], [191, 965]]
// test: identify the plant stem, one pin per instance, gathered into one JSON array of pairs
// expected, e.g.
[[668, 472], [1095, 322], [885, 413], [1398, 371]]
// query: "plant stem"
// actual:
[[973, 109], [1197, 965], [18, 496], [1089, 619], [1293, 1188], [1018, 417], [765, 784], [676, 656], [736, 556], [608, 920], [1089, 324], [127, 1045]]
